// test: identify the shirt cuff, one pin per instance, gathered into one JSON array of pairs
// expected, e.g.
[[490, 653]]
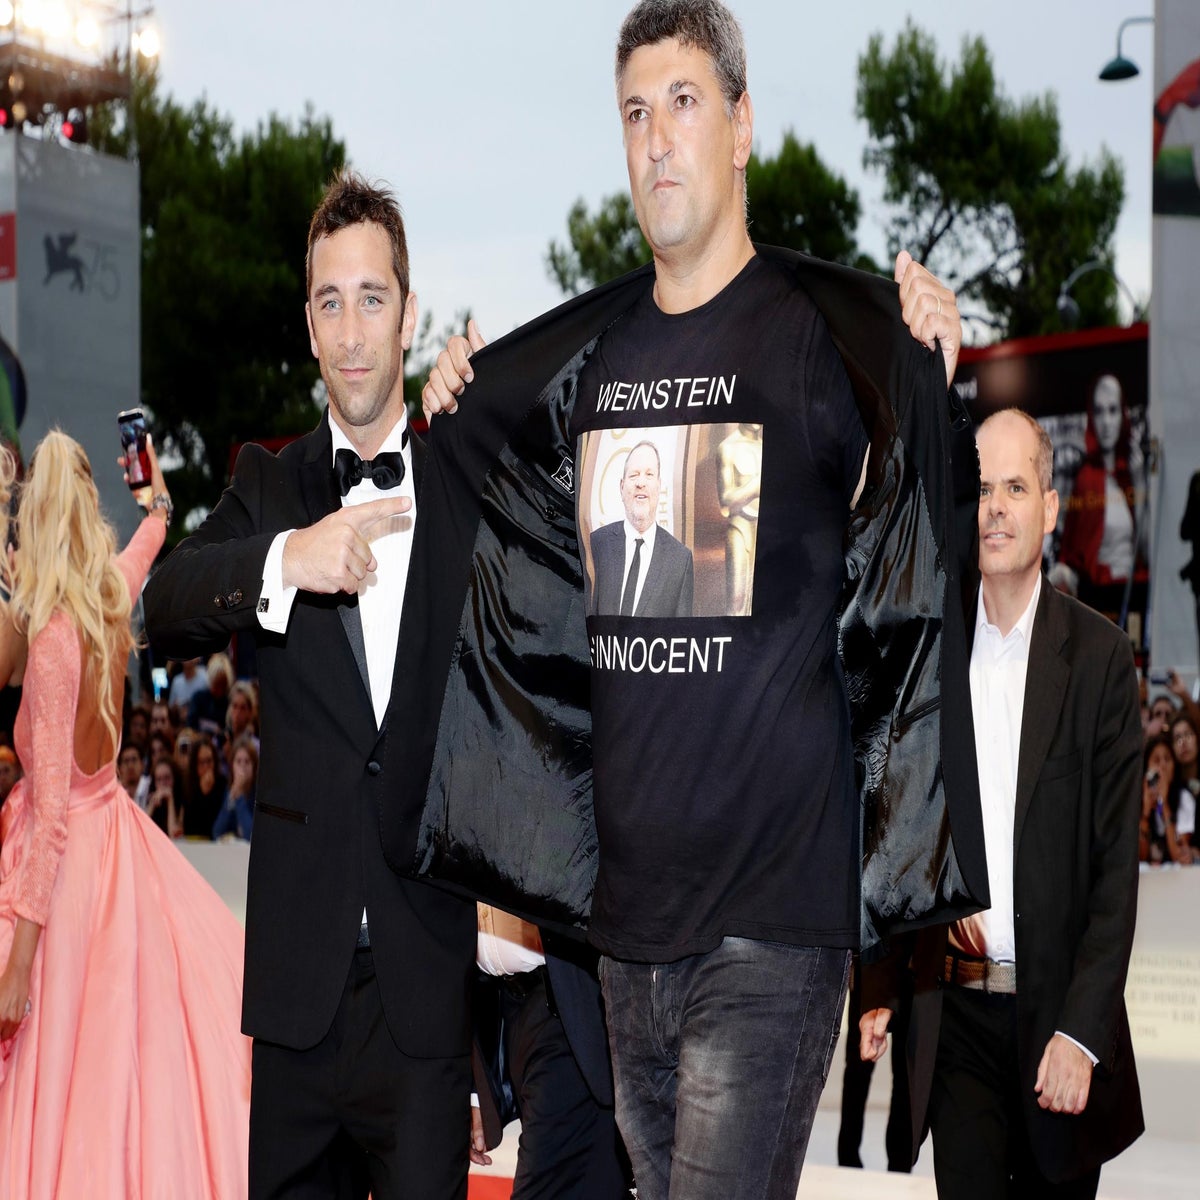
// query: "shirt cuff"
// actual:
[[275, 601], [1079, 1045], [474, 1099]]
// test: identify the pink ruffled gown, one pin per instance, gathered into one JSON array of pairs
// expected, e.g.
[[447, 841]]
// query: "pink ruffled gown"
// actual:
[[130, 1077]]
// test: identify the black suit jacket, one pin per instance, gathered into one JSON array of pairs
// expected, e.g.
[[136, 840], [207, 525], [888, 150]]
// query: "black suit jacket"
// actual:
[[670, 577], [1075, 888], [501, 649], [575, 988], [316, 858]]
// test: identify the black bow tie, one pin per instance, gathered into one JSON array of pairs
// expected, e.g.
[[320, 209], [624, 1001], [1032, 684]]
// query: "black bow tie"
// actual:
[[385, 470]]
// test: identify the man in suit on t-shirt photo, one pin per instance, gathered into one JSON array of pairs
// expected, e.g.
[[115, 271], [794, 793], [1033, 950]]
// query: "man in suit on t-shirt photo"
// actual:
[[640, 569]]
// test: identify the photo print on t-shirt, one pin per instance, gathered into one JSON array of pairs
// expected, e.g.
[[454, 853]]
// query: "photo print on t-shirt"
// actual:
[[668, 519]]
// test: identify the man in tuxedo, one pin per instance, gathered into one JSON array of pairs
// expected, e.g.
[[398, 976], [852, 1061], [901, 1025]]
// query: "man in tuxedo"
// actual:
[[1019, 1050], [356, 980], [641, 570]]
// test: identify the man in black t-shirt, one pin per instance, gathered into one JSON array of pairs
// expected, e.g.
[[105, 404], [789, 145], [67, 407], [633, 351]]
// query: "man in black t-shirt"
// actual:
[[726, 903]]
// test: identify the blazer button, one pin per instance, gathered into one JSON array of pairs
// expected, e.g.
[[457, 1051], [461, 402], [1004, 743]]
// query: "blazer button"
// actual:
[[373, 768], [219, 601], [234, 597]]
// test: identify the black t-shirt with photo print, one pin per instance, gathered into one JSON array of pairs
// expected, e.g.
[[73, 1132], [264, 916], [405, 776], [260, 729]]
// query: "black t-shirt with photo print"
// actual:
[[724, 778]]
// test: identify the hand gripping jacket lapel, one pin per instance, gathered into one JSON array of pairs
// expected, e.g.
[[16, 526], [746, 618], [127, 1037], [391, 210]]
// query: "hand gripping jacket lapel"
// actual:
[[498, 639]]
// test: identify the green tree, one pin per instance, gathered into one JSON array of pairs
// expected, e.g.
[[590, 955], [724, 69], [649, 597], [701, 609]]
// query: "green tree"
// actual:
[[600, 247], [981, 188], [225, 348], [794, 200]]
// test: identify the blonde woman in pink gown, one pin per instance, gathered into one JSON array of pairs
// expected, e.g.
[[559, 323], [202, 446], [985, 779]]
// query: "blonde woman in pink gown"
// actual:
[[123, 1072]]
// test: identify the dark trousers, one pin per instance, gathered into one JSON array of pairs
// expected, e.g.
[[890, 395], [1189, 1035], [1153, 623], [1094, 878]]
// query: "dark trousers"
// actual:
[[569, 1147], [981, 1148], [719, 1060], [353, 1114], [856, 1083]]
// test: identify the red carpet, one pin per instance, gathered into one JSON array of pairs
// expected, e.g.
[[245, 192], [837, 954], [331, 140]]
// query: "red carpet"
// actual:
[[488, 1187]]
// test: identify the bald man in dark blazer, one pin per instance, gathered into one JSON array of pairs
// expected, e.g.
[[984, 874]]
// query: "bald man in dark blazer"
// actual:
[[1019, 1052]]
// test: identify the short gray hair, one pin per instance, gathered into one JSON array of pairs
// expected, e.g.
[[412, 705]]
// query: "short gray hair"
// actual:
[[1043, 456], [706, 25]]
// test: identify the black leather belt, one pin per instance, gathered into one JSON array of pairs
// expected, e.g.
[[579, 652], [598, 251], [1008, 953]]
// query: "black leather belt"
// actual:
[[523, 985]]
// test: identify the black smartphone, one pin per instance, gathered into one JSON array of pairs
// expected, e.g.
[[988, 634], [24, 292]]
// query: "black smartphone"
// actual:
[[132, 425]]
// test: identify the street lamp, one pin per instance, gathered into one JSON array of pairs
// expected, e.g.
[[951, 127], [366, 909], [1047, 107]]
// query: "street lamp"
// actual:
[[1122, 67], [1068, 308]]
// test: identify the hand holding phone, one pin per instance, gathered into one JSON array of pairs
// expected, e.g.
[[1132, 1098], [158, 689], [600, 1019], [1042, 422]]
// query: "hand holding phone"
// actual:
[[132, 425], [140, 462]]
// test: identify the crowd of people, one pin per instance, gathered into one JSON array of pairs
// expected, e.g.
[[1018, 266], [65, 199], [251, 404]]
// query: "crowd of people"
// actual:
[[192, 762], [1171, 775]]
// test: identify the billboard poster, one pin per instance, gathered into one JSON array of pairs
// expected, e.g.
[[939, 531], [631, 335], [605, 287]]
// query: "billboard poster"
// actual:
[[1089, 391], [1175, 346]]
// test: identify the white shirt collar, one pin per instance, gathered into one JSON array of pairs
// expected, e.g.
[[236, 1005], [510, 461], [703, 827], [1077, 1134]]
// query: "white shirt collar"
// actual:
[[393, 441], [631, 534], [1024, 625]]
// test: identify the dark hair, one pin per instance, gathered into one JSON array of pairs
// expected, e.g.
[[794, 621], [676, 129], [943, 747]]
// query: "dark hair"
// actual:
[[131, 748], [138, 710], [634, 450], [350, 200], [176, 778], [201, 742], [706, 25], [1182, 718], [1152, 744], [1171, 796]]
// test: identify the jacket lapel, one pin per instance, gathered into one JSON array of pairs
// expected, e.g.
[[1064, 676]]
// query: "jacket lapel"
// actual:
[[320, 499], [417, 452], [654, 580], [610, 568], [1045, 687]]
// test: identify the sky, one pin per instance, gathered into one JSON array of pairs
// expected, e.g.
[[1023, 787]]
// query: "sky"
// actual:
[[489, 120]]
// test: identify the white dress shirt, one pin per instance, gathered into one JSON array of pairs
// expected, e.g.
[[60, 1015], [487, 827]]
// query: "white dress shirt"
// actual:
[[381, 594], [507, 945], [999, 664], [631, 537]]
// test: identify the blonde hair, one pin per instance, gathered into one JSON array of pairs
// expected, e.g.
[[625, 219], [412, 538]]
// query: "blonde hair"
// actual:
[[66, 561], [8, 474]]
